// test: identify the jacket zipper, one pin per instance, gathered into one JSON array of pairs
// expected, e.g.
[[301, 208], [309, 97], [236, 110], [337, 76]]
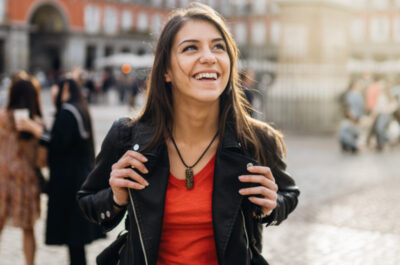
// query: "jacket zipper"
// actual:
[[138, 227], [246, 235]]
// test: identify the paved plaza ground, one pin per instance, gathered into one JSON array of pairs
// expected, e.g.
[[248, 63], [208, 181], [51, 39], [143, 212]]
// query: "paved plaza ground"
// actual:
[[348, 212]]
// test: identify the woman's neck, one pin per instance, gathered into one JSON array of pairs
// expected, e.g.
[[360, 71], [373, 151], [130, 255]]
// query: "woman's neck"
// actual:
[[195, 123]]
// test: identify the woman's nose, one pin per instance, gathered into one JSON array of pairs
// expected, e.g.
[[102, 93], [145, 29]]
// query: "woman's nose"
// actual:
[[208, 57]]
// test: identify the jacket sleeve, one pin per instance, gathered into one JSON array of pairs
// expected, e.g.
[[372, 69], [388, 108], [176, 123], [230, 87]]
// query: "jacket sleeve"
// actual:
[[288, 194], [95, 197]]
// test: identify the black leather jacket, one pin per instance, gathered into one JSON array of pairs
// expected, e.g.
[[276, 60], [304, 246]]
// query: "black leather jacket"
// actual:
[[237, 233]]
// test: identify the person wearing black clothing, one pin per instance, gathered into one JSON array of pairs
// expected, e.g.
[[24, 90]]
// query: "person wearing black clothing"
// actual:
[[70, 159]]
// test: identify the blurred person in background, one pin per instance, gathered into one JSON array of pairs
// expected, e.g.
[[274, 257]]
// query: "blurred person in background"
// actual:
[[194, 124], [371, 97], [107, 83], [395, 94], [385, 107], [353, 108], [19, 173], [70, 159]]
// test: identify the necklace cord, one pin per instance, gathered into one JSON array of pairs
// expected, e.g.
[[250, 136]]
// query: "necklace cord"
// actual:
[[201, 156]]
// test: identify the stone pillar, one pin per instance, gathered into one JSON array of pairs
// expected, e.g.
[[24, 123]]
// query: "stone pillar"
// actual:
[[311, 70], [17, 50]]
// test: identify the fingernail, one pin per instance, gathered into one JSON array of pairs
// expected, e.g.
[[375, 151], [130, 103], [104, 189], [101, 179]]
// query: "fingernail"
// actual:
[[241, 191], [241, 177], [146, 170], [147, 184], [145, 159]]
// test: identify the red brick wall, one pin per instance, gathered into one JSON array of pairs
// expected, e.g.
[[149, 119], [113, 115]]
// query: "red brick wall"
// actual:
[[73, 10]]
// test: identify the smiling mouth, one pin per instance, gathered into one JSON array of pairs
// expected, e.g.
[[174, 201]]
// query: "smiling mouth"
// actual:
[[206, 76]]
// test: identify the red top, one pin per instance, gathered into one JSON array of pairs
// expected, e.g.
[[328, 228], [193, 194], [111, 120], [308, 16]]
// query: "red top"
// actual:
[[187, 234]]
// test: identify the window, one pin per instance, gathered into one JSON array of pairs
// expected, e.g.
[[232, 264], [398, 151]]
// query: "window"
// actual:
[[225, 7], [295, 40], [240, 33], [126, 22], [90, 56], [334, 42], [156, 2], [359, 3], [92, 19], [142, 22], [171, 4], [396, 29], [275, 32], [259, 6], [379, 29], [357, 30], [184, 3], [274, 8], [108, 50], [156, 24], [258, 33], [240, 6], [379, 4], [2, 10], [210, 3], [110, 21]]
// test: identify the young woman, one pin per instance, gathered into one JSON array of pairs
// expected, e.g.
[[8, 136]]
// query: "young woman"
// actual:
[[189, 160], [70, 159], [19, 180]]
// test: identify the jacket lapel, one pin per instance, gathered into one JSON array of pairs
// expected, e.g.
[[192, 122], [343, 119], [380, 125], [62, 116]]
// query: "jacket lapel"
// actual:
[[149, 202], [230, 163]]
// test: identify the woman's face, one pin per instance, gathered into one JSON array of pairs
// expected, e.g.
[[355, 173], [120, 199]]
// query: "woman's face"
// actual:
[[200, 65]]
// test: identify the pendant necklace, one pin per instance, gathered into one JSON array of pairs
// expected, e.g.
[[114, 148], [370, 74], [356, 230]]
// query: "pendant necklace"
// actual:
[[189, 169]]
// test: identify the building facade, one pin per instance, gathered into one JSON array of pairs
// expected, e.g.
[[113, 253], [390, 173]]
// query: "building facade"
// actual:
[[56, 35], [303, 51]]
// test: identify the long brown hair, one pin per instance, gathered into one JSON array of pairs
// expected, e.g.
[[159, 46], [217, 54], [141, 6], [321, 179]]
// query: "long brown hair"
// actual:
[[158, 111], [24, 92]]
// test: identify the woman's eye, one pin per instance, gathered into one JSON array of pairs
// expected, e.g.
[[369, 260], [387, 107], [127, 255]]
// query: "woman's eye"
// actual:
[[220, 46], [189, 48]]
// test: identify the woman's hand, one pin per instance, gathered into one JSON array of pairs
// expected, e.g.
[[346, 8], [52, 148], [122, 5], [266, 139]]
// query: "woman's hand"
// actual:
[[266, 193], [123, 176], [29, 125]]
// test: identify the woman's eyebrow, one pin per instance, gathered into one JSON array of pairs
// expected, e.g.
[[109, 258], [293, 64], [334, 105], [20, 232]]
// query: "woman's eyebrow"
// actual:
[[194, 40], [190, 40]]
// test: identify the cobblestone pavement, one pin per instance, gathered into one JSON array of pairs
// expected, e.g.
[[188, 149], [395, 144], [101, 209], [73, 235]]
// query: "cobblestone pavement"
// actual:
[[348, 211]]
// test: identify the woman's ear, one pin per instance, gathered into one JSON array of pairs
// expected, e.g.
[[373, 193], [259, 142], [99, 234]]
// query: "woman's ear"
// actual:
[[167, 77]]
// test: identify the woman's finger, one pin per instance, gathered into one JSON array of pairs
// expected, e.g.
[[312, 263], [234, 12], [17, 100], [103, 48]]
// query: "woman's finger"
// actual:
[[128, 173], [125, 183], [262, 180], [266, 171], [264, 203], [129, 161], [264, 192]]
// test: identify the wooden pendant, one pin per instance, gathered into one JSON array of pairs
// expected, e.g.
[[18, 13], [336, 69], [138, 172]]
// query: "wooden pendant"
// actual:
[[189, 178]]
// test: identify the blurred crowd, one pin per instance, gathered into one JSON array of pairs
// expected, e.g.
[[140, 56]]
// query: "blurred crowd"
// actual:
[[66, 148], [371, 114], [110, 86]]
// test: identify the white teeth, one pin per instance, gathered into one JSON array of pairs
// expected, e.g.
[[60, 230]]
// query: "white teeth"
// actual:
[[206, 75]]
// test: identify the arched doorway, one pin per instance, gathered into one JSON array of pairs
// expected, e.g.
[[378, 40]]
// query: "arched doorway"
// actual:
[[47, 40]]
